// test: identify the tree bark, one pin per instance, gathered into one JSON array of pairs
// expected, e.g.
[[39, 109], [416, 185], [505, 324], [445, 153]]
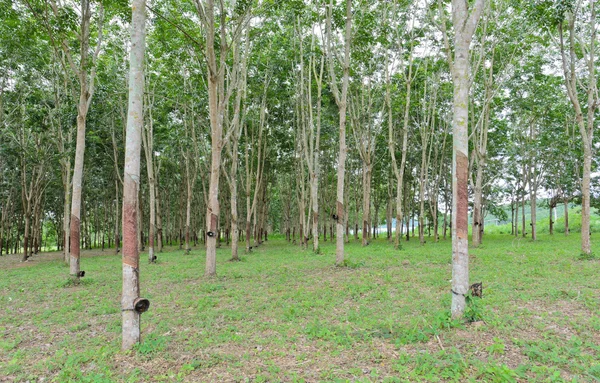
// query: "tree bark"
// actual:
[[480, 152], [341, 101], [366, 203], [86, 92], [216, 129], [135, 123], [66, 172], [464, 23], [159, 226], [148, 142], [566, 203], [586, 128], [516, 221]]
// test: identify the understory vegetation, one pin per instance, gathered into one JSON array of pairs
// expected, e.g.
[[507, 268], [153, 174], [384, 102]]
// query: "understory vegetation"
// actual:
[[284, 314]]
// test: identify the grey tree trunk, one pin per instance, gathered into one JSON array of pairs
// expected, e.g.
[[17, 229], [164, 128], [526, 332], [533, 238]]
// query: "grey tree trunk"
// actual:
[[515, 218], [67, 210], [523, 194], [551, 207], [480, 151], [586, 128], [219, 93], [366, 203], [341, 101], [232, 146], [77, 185], [65, 164], [188, 206], [464, 23], [148, 142], [216, 135], [86, 91], [159, 226], [135, 123], [566, 203]]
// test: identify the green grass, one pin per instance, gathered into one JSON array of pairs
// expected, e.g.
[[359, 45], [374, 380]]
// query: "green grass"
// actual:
[[283, 314]]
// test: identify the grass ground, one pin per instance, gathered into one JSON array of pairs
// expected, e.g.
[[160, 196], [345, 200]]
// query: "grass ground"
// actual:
[[283, 314]]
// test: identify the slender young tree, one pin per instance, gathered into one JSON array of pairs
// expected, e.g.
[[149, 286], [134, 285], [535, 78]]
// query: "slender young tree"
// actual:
[[131, 179], [85, 71], [86, 91], [341, 101], [223, 30], [148, 143], [570, 52], [310, 129], [365, 132], [235, 126], [399, 170]]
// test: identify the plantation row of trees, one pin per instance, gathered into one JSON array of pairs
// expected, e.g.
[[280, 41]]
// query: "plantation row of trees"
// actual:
[[317, 120]]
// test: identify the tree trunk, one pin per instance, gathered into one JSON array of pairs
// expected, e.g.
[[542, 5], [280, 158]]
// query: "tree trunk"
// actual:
[[512, 216], [533, 223], [67, 210], [159, 226], [117, 226], [585, 200], [436, 236], [366, 202], [516, 221], [86, 91], [218, 99], [578, 47], [135, 123], [464, 25], [551, 220], [188, 209], [212, 212], [26, 239], [480, 150], [566, 203], [233, 202], [341, 100], [399, 171], [148, 142], [388, 212], [75, 229], [445, 225], [523, 228], [139, 220], [422, 197], [477, 206]]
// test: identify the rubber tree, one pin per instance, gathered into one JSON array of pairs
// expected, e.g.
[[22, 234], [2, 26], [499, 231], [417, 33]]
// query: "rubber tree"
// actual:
[[464, 22], [341, 101], [131, 178], [235, 126], [148, 144], [86, 92], [311, 127], [577, 44], [223, 30], [365, 131], [408, 76], [85, 72]]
